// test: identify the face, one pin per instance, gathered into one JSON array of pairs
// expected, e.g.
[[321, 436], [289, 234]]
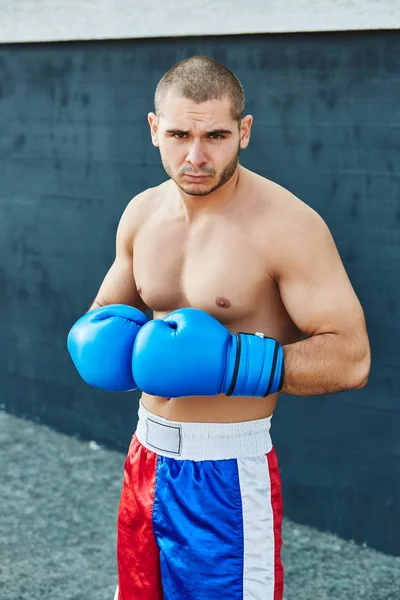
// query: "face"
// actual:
[[199, 143]]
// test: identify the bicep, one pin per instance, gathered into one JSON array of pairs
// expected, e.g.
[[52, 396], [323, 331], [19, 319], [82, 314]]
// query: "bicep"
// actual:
[[314, 285], [119, 286]]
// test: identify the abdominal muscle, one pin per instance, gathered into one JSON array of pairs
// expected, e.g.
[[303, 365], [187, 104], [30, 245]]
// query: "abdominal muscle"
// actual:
[[210, 409]]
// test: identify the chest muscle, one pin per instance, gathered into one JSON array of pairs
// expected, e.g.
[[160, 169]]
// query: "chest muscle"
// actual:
[[215, 268]]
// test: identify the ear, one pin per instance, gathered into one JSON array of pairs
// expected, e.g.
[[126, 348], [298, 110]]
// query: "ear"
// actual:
[[245, 130], [153, 122]]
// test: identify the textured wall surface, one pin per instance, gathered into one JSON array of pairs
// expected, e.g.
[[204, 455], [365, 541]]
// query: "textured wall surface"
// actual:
[[56, 20], [75, 147]]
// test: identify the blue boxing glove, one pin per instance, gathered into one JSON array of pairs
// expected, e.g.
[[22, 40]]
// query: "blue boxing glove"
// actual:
[[190, 353], [101, 344]]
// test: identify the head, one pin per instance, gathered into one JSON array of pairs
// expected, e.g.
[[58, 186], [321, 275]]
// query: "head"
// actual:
[[198, 124]]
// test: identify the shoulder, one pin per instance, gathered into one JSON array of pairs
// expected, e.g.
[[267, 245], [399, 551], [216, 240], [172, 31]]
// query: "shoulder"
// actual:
[[142, 206], [285, 212], [294, 217], [291, 231]]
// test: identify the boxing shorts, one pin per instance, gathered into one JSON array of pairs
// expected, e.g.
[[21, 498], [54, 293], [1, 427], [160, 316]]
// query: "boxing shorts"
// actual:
[[200, 513]]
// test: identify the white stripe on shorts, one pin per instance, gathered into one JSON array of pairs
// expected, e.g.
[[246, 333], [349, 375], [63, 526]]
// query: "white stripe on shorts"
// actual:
[[258, 528]]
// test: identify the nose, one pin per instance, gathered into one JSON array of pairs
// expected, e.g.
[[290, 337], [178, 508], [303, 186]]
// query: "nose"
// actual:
[[196, 155]]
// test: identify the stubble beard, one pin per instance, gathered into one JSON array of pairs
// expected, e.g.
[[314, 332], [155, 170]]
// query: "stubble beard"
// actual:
[[226, 175]]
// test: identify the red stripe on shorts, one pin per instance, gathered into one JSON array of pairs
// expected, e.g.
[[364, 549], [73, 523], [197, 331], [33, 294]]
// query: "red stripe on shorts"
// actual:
[[139, 576], [276, 501]]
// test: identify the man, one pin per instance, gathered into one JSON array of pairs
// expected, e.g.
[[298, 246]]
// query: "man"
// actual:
[[214, 251]]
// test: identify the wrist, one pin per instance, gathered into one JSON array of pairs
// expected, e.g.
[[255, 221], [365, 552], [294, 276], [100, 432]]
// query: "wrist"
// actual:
[[255, 365]]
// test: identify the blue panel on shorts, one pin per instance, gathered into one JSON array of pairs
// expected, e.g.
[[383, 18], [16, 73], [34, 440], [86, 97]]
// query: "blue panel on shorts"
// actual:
[[197, 520]]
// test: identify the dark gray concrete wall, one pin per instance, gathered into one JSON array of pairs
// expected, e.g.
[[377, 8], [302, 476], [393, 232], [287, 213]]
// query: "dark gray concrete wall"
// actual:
[[75, 147]]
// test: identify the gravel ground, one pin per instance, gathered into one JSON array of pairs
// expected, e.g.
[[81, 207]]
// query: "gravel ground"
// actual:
[[59, 499]]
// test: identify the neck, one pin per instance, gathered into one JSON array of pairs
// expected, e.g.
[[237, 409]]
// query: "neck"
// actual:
[[194, 206]]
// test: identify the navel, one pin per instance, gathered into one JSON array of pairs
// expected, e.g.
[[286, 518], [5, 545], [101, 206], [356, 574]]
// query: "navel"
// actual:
[[222, 302]]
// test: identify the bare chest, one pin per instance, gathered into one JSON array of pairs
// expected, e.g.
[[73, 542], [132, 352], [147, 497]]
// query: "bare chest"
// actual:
[[214, 266]]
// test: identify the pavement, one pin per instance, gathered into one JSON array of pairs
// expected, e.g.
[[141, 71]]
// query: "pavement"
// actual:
[[59, 500]]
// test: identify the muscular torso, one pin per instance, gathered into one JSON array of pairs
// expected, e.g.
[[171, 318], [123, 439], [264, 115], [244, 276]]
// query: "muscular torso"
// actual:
[[218, 262]]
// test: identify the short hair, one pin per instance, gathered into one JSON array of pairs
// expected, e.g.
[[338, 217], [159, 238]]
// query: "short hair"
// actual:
[[201, 78]]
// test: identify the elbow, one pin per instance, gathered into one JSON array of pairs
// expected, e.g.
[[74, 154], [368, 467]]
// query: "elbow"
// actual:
[[361, 372], [362, 382]]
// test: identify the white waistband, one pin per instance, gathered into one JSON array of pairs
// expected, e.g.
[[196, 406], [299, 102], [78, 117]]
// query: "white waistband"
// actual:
[[203, 441]]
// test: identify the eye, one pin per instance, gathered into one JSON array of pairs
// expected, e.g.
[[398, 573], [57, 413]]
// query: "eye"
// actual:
[[179, 136], [216, 136]]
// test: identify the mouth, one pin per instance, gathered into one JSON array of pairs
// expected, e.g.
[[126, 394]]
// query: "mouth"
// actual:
[[196, 177]]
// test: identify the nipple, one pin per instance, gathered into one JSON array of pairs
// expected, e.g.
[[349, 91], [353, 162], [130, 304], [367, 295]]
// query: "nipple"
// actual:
[[222, 302]]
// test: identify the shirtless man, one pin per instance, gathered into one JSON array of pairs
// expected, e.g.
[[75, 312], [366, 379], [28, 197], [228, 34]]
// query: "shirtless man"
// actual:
[[200, 513]]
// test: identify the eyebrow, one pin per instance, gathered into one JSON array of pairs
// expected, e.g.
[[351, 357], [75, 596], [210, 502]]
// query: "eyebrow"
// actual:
[[213, 132]]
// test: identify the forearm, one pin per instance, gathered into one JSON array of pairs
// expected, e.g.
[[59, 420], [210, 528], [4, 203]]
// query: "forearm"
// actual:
[[324, 364]]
